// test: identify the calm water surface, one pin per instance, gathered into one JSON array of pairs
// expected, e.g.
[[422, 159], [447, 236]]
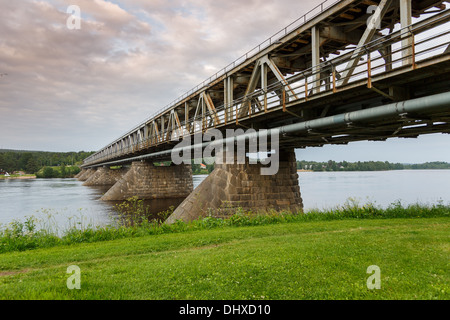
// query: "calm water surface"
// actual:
[[329, 189], [66, 201]]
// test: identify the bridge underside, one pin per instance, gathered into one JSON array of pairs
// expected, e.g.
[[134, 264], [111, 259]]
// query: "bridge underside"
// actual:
[[430, 77], [426, 81]]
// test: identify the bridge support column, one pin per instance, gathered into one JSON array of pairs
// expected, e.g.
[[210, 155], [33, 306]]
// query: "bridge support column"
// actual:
[[105, 177], [146, 181], [406, 20], [231, 186], [315, 42], [86, 175], [79, 174]]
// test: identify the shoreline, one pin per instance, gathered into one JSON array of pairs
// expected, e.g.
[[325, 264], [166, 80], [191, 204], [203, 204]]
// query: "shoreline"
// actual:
[[17, 178]]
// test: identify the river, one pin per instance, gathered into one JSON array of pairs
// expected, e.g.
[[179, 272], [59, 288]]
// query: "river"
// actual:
[[61, 203]]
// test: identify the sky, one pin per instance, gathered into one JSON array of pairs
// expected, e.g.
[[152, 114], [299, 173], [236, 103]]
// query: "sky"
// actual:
[[72, 90]]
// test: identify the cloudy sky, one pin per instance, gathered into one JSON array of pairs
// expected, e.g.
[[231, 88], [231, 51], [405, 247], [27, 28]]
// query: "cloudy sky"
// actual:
[[72, 90]]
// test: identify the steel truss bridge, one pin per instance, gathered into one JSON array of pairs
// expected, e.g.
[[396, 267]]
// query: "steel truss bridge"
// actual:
[[346, 71]]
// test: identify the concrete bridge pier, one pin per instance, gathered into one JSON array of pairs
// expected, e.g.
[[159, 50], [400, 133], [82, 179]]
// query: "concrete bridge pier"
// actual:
[[146, 181], [105, 176], [233, 185], [86, 174], [79, 174]]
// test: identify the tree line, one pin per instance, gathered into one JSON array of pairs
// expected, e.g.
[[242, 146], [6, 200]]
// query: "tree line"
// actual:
[[367, 166], [66, 164], [34, 161]]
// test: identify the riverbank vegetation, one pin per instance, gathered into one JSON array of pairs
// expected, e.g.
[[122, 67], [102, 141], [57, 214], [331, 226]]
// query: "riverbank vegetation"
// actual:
[[318, 255], [133, 221], [66, 164], [58, 172], [33, 161]]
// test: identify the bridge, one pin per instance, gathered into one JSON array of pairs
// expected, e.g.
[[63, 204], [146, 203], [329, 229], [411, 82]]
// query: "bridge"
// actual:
[[348, 70]]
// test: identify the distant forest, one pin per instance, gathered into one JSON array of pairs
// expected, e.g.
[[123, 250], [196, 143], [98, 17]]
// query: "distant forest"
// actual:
[[38, 161], [367, 166], [33, 161], [346, 166]]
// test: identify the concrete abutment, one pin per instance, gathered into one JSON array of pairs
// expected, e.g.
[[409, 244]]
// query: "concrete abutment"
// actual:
[[231, 186], [146, 181], [79, 174], [105, 176], [85, 176], [228, 187]]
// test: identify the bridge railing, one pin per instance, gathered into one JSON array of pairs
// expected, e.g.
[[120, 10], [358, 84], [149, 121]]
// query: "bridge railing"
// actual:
[[398, 52]]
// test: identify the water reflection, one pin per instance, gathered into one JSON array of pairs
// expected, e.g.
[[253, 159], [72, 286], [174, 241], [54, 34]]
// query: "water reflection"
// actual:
[[124, 212], [151, 209]]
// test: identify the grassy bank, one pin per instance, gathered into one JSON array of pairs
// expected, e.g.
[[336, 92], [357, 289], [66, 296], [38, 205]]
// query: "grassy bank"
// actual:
[[26, 235], [312, 256], [132, 222], [300, 260]]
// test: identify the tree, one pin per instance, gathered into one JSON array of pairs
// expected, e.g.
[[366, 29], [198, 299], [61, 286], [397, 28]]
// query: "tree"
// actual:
[[22, 162], [31, 166], [74, 170], [48, 172], [8, 162], [63, 171]]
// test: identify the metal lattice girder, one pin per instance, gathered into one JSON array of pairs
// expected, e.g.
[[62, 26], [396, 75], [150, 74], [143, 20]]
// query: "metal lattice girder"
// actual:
[[259, 76], [433, 103], [406, 20], [365, 39], [315, 36]]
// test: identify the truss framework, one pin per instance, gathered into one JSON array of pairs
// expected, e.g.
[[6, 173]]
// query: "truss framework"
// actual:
[[336, 50]]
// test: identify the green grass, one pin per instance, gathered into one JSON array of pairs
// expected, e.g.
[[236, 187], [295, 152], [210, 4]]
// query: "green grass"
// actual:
[[26, 235], [278, 257]]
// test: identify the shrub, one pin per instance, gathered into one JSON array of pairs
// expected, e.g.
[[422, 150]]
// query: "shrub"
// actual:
[[48, 172]]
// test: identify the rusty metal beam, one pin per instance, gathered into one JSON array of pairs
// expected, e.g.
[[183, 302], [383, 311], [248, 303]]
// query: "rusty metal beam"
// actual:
[[365, 39]]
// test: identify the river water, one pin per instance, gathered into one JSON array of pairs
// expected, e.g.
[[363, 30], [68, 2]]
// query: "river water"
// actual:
[[61, 203]]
